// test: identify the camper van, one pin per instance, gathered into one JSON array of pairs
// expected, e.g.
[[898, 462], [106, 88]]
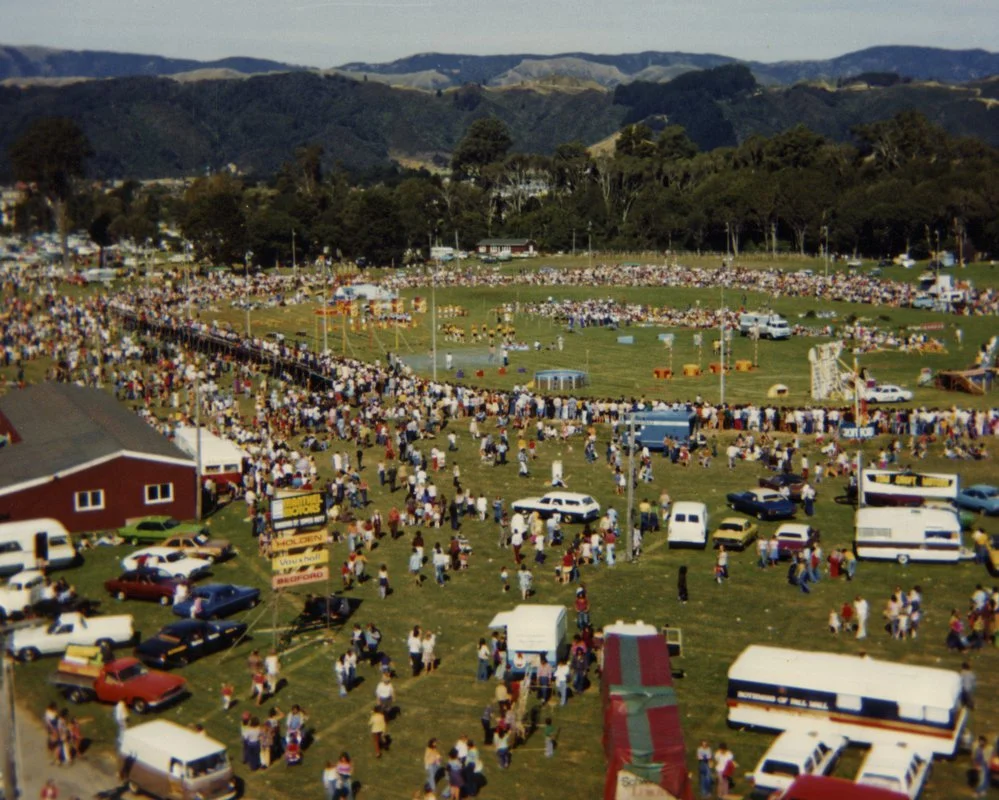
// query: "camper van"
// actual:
[[865, 700], [34, 544], [769, 326], [221, 460], [166, 760], [688, 525], [653, 427], [909, 534], [533, 631]]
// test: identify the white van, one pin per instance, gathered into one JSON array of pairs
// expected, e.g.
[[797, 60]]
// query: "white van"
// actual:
[[897, 768], [688, 525], [794, 753], [769, 326], [167, 760], [909, 534], [29, 543]]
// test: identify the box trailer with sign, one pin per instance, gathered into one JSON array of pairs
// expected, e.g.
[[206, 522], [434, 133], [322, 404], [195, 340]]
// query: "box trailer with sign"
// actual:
[[881, 487], [909, 534], [534, 631]]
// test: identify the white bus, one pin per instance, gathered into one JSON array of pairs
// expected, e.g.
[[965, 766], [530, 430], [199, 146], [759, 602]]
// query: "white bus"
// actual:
[[867, 701], [909, 534], [34, 544], [882, 487], [221, 460]]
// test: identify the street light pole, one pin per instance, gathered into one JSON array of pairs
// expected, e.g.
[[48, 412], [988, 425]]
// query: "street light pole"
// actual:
[[589, 245], [199, 489], [294, 261]]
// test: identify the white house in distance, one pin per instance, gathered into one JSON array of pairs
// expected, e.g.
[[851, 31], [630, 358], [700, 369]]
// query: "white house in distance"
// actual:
[[519, 248]]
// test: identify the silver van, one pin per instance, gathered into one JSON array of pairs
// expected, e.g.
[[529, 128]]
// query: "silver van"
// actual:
[[169, 761]]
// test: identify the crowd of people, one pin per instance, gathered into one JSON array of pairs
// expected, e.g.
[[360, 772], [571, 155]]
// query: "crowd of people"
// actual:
[[311, 409]]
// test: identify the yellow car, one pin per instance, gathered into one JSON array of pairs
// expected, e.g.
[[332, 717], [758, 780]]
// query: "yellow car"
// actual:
[[736, 533], [992, 553]]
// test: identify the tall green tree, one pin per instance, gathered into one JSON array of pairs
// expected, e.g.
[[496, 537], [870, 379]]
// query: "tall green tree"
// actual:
[[51, 155], [486, 142]]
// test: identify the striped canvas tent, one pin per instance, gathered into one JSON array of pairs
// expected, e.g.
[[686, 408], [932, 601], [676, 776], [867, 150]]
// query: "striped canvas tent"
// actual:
[[643, 740]]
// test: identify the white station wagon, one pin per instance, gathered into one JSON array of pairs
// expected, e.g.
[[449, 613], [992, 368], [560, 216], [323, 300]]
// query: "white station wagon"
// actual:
[[897, 768], [794, 753], [570, 506], [169, 561]]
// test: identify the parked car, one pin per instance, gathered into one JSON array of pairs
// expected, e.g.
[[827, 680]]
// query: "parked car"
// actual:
[[886, 393], [200, 546], [736, 533], [168, 561], [980, 497], [24, 589], [319, 611], [688, 525], [897, 768], [794, 753], [158, 528], [28, 644], [181, 642], [149, 583], [761, 503], [83, 677], [793, 537], [571, 506], [218, 600], [794, 483], [992, 549]]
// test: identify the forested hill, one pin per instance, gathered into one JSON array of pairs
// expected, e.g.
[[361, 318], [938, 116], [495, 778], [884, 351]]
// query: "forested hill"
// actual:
[[47, 62], [157, 127]]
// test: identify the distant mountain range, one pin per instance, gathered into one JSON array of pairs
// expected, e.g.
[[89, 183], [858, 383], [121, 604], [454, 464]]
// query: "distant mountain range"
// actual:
[[433, 71], [201, 118]]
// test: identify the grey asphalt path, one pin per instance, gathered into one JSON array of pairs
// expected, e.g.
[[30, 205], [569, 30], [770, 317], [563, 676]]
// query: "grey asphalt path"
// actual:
[[90, 776]]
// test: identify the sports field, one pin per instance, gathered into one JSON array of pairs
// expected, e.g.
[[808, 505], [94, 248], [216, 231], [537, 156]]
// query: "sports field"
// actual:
[[755, 606]]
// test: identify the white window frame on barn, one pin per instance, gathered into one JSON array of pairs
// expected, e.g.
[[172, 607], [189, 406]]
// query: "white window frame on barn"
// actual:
[[88, 503], [159, 497]]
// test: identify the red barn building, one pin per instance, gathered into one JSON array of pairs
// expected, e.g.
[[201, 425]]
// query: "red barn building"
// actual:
[[80, 456]]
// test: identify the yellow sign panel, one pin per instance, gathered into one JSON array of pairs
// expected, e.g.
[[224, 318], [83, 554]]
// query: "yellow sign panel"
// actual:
[[302, 505], [313, 539], [286, 563]]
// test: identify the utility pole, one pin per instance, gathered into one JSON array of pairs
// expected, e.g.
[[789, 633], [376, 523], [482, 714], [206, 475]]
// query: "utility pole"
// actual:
[[199, 489], [721, 313], [573, 242], [589, 245], [294, 261], [433, 315], [825, 232], [8, 727], [630, 518], [246, 287]]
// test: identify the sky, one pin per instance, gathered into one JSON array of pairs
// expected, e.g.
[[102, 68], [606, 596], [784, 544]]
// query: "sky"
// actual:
[[326, 33]]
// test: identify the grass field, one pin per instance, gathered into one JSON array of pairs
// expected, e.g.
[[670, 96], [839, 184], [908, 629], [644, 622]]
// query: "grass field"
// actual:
[[627, 370], [753, 607]]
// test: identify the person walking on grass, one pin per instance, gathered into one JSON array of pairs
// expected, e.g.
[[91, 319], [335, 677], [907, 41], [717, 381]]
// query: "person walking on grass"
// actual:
[[378, 726]]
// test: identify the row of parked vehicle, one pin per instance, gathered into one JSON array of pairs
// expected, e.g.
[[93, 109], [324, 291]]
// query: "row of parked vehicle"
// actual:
[[888, 772]]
